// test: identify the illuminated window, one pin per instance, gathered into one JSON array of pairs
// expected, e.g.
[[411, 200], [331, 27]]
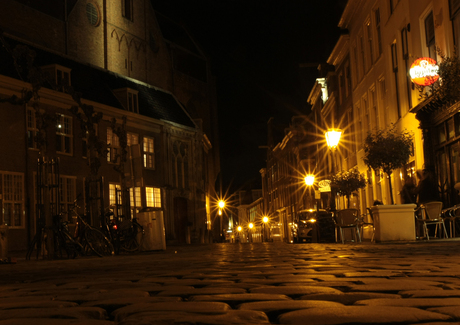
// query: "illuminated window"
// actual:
[[135, 197], [149, 154], [13, 199], [153, 197], [32, 130], [64, 134], [115, 198], [132, 139], [113, 146]]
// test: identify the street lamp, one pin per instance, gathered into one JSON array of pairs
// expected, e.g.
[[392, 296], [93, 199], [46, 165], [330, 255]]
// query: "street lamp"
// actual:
[[221, 205], [251, 225], [309, 181], [265, 220], [332, 140]]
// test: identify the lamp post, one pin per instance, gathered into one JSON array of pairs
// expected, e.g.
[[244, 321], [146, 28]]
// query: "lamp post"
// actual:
[[309, 181], [221, 205], [332, 140], [251, 225], [265, 220]]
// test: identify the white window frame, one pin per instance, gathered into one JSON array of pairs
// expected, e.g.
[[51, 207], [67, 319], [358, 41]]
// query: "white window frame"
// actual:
[[148, 148], [12, 194], [153, 197], [64, 131]]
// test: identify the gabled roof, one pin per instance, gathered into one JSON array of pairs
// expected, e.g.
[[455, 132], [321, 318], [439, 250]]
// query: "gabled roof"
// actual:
[[97, 85]]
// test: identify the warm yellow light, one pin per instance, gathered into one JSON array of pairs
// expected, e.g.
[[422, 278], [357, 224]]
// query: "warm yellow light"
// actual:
[[221, 204], [309, 179], [265, 219], [239, 228], [251, 225], [333, 137], [220, 212]]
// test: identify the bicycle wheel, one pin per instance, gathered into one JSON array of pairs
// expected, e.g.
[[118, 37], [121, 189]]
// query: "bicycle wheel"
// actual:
[[71, 247], [132, 238], [98, 243]]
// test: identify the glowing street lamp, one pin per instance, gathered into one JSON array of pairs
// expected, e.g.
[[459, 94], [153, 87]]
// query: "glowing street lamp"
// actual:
[[332, 140], [309, 179], [250, 225], [265, 220]]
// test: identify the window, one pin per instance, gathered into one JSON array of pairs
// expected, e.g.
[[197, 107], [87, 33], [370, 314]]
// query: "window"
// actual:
[[64, 134], [356, 63], [115, 198], [393, 4], [127, 9], [132, 101], [382, 95], [347, 80], [84, 143], [67, 194], [32, 131], [149, 154], [405, 53], [180, 165], [378, 31], [13, 199], [133, 139], [363, 55], [113, 146], [360, 124], [455, 17], [92, 14], [394, 60], [135, 197], [429, 36], [367, 120], [375, 110], [153, 197], [370, 42]]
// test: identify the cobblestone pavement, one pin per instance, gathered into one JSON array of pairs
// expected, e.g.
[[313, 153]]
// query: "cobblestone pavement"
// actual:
[[261, 283]]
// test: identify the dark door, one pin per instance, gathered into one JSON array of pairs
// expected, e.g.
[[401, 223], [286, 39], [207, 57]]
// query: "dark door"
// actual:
[[180, 219]]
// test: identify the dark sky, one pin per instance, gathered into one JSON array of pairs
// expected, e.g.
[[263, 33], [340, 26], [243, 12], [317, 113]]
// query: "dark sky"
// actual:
[[256, 47]]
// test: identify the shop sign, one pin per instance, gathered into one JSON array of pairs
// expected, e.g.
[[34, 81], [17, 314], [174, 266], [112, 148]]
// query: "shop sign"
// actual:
[[424, 72], [324, 185]]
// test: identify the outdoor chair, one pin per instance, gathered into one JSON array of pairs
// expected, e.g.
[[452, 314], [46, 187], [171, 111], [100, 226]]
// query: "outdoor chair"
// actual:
[[369, 222], [347, 219], [431, 214], [451, 216]]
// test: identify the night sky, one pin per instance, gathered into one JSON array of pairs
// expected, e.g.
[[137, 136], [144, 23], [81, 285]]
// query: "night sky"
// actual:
[[256, 48]]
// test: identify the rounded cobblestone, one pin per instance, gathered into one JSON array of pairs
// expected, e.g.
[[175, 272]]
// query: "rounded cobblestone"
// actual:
[[260, 283]]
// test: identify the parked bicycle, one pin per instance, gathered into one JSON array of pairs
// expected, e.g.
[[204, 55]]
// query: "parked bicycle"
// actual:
[[126, 235], [92, 239]]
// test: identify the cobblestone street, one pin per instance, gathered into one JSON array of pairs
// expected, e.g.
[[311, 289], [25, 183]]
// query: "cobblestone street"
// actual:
[[263, 283]]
